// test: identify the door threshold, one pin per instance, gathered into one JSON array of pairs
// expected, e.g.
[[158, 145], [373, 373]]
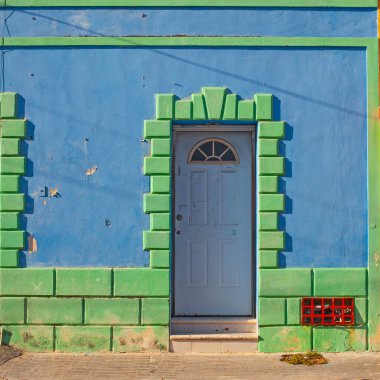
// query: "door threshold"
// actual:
[[213, 325]]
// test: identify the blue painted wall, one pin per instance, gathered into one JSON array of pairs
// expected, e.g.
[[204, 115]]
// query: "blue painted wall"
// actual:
[[87, 107], [311, 22]]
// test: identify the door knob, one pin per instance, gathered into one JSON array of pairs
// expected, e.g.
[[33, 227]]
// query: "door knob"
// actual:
[[179, 217]]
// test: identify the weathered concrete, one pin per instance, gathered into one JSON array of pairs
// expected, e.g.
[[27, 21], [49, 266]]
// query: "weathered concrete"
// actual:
[[180, 366]]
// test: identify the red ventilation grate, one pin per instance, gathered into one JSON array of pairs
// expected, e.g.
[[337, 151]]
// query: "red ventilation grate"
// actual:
[[328, 311]]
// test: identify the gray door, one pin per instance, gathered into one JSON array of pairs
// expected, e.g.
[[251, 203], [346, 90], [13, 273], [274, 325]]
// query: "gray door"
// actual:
[[212, 223]]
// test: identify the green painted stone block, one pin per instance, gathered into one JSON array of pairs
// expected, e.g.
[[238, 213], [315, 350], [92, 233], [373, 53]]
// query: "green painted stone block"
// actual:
[[9, 147], [268, 259], [293, 311], [140, 339], [156, 165], [271, 129], [230, 107], [9, 258], [155, 311], [13, 128], [272, 311], [360, 311], [26, 282], [246, 110], [214, 97], [164, 106], [12, 239], [160, 147], [12, 202], [272, 240], [340, 282], [112, 311], [339, 339], [30, 338], [54, 311], [267, 147], [83, 282], [160, 184], [290, 282], [272, 165], [144, 282], [156, 203], [268, 221], [285, 339], [199, 107], [271, 202], [264, 106], [12, 310], [183, 109], [83, 338], [159, 222], [268, 184], [157, 128], [8, 105], [13, 165], [9, 184], [156, 240], [9, 220], [160, 258]]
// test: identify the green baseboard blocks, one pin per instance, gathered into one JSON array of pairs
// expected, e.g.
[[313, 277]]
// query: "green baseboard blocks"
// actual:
[[271, 202], [290, 282], [160, 221], [83, 282], [155, 311], [83, 338], [29, 337], [160, 147], [156, 240], [339, 339], [271, 166], [141, 282], [112, 311], [329, 282], [12, 310], [285, 339], [12, 202], [272, 311], [267, 184], [12, 239], [271, 240], [9, 147], [160, 184], [141, 339], [293, 311], [54, 311], [268, 221], [156, 165], [156, 203], [10, 184], [271, 129], [159, 258]]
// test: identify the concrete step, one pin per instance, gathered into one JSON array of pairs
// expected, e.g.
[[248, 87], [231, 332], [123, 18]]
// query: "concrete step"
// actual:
[[211, 325], [213, 343]]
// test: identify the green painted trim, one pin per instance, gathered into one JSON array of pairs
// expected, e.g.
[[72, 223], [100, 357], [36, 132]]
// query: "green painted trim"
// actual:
[[191, 3], [188, 41], [12, 130], [373, 198]]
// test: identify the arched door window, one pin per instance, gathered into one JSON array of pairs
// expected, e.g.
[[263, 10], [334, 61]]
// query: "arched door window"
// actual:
[[213, 151]]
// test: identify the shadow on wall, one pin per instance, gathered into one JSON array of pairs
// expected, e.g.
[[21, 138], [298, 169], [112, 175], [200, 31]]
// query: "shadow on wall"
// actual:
[[282, 189], [24, 188]]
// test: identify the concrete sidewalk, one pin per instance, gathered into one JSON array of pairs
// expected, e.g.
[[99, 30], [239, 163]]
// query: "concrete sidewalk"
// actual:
[[181, 366]]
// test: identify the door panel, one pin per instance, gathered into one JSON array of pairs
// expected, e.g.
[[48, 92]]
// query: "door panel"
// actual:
[[213, 226]]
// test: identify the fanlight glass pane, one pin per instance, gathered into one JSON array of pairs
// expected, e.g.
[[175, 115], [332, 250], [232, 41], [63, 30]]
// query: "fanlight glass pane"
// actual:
[[213, 151]]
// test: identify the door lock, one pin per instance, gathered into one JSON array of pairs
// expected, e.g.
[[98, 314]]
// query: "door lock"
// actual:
[[179, 217]]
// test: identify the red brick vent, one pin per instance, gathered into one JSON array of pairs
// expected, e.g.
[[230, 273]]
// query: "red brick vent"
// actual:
[[328, 311]]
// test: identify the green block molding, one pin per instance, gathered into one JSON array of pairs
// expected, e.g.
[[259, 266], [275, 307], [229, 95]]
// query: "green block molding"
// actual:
[[285, 338], [190, 3], [112, 311], [12, 310], [83, 282], [272, 311]]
